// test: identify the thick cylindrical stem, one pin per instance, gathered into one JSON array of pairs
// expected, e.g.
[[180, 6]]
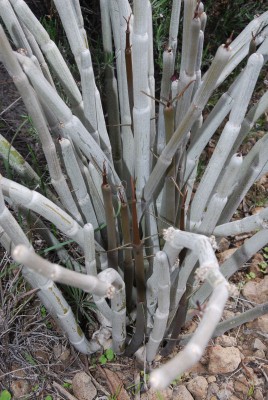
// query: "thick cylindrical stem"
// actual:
[[89, 284]]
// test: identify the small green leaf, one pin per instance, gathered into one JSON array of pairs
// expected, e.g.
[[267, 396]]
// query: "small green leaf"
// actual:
[[251, 275], [48, 397], [266, 249], [263, 265], [103, 359], [109, 354], [28, 357], [250, 391], [265, 256], [67, 385], [43, 312], [5, 395]]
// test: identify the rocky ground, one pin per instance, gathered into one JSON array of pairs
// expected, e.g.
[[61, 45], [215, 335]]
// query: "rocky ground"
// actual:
[[36, 361]]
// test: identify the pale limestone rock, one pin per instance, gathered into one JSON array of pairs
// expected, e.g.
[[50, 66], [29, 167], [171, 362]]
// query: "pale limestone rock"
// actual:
[[228, 314], [83, 387], [241, 387], [257, 258], [198, 368], [257, 210], [256, 292], [213, 389], [198, 387], [262, 323], [181, 393], [257, 395], [259, 353], [255, 269], [265, 368], [241, 378], [254, 265], [259, 345], [211, 379], [224, 394], [166, 394], [223, 359], [226, 341]]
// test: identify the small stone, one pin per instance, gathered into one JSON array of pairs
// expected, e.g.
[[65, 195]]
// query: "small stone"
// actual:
[[242, 379], [228, 314], [233, 397], [223, 359], [198, 368], [253, 377], [204, 359], [257, 292], [259, 345], [211, 379], [257, 395], [181, 393], [224, 394], [166, 394], [213, 389], [226, 341], [259, 353], [259, 325], [255, 269], [20, 388], [254, 265], [240, 387], [198, 387], [262, 323], [257, 210], [83, 387]]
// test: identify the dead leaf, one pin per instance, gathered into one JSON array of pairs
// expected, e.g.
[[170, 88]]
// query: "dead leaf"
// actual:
[[115, 384]]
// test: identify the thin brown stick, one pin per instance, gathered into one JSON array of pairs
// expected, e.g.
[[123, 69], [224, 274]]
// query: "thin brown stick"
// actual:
[[139, 334], [127, 263], [63, 391], [128, 57], [112, 253]]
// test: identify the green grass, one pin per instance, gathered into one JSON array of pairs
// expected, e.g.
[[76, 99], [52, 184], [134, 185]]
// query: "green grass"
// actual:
[[161, 10], [225, 17]]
